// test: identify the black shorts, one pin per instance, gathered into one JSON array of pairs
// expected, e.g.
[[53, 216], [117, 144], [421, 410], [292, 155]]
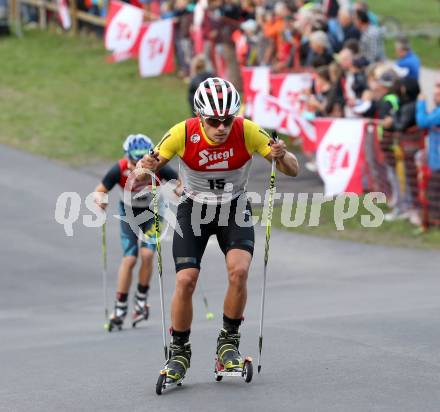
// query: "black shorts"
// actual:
[[230, 222]]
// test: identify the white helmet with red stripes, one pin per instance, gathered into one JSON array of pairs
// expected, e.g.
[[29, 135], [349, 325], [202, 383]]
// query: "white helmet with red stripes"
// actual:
[[216, 97]]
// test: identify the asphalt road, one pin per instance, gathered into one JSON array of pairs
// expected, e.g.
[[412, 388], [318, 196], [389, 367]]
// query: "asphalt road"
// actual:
[[348, 327]]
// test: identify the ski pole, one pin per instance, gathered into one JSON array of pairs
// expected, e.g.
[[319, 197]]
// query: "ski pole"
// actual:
[[266, 249], [159, 255], [104, 272], [209, 314]]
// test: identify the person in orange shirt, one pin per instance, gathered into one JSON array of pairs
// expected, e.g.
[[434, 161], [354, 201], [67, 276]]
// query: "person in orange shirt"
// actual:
[[273, 29]]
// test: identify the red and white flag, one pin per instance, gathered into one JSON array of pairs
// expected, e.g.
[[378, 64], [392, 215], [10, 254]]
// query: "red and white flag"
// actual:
[[64, 14], [122, 30], [286, 91], [340, 154], [290, 88], [271, 113], [255, 80], [197, 32], [156, 51]]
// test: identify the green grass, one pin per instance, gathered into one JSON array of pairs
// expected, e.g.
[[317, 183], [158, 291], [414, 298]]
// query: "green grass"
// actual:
[[427, 48], [424, 13], [423, 16], [400, 233], [61, 99]]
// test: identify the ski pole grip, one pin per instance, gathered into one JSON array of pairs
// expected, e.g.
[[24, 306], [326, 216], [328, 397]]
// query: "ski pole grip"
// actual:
[[153, 154], [275, 136]]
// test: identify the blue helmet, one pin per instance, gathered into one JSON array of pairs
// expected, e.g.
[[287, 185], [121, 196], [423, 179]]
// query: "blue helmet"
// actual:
[[136, 146]]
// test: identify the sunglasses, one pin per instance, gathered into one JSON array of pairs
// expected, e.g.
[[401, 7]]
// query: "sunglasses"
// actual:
[[216, 122]]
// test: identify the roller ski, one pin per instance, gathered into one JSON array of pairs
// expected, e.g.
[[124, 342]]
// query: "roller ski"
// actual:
[[175, 368], [118, 316], [229, 361], [141, 309]]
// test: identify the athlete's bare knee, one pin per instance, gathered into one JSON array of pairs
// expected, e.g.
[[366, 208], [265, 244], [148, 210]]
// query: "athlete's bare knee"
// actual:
[[238, 275], [186, 281], [146, 254], [129, 261]]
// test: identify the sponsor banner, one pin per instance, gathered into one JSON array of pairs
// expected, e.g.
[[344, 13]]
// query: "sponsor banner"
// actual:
[[308, 134], [122, 30], [269, 112], [255, 80], [340, 154], [272, 113], [156, 51], [288, 89]]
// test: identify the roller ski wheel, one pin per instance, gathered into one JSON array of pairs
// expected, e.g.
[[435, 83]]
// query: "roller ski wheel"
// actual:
[[115, 323], [229, 361], [160, 385], [118, 316], [163, 382], [140, 314], [175, 369], [246, 372]]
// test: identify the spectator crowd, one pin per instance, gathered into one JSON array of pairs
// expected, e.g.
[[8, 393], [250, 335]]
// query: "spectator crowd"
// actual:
[[342, 44]]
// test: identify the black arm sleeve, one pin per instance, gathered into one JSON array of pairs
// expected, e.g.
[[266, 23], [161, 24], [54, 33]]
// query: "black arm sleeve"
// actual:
[[167, 173], [384, 109], [112, 177], [405, 117]]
